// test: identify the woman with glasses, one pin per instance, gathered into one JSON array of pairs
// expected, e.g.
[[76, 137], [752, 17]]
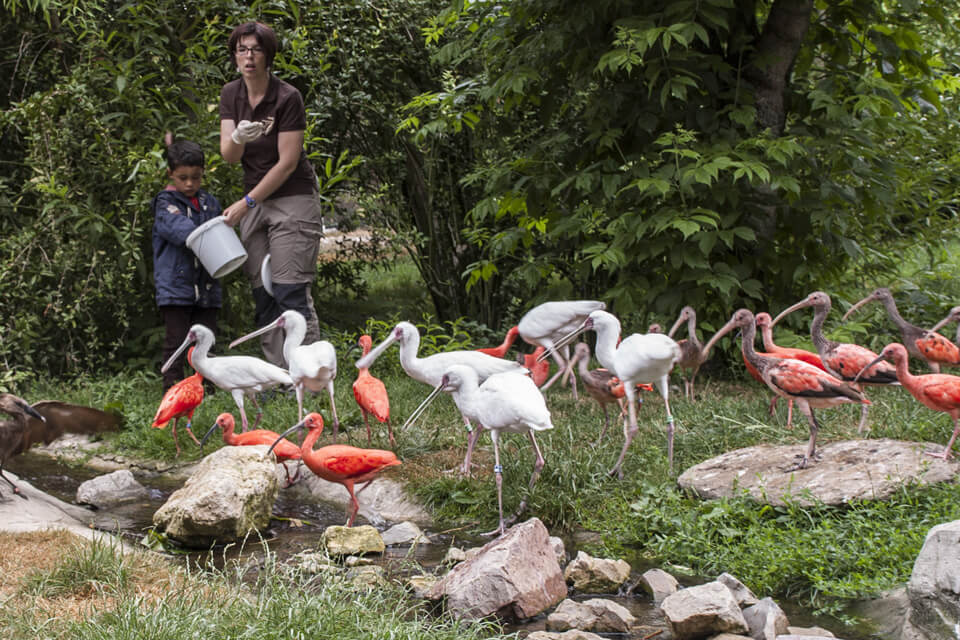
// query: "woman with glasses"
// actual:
[[262, 122]]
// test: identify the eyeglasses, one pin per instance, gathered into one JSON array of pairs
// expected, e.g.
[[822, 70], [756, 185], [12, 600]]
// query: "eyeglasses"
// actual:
[[242, 51]]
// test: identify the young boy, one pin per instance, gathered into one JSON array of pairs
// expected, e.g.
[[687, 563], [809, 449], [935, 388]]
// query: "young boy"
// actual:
[[186, 293]]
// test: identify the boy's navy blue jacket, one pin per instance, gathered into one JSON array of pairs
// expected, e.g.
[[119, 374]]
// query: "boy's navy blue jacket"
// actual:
[[179, 276]]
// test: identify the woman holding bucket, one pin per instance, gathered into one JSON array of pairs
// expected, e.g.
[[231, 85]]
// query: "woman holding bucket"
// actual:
[[262, 122]]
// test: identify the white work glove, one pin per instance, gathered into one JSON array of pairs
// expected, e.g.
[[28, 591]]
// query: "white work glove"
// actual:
[[247, 131]]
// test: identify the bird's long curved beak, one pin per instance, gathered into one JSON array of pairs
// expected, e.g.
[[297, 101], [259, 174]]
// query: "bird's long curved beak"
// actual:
[[862, 371], [366, 361], [565, 340], [850, 311], [206, 437], [286, 433], [423, 405], [676, 325], [176, 354], [722, 331], [253, 334], [800, 305]]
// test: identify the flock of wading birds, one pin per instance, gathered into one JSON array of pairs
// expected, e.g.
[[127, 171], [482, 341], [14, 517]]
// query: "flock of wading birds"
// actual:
[[497, 394]]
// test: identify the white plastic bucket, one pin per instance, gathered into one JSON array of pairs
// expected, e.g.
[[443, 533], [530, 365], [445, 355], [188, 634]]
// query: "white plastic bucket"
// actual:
[[217, 246]]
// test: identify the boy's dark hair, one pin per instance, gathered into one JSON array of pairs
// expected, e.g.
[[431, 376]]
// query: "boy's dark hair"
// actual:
[[266, 38], [184, 153]]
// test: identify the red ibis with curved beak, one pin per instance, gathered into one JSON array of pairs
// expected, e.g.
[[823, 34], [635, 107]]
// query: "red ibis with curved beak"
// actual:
[[371, 394], [844, 360], [284, 449], [340, 463], [808, 386], [180, 401], [937, 391]]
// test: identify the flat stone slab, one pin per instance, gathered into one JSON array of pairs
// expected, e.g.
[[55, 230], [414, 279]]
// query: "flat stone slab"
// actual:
[[843, 471]]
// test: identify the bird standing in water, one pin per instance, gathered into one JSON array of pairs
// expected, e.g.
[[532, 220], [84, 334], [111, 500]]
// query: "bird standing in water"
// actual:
[[284, 449], [14, 431], [371, 394], [180, 401], [340, 463]]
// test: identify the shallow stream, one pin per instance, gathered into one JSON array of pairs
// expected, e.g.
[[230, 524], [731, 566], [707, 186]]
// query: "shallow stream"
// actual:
[[300, 524]]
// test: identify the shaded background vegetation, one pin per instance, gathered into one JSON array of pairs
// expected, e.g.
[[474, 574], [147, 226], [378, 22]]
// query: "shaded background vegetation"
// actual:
[[629, 151]]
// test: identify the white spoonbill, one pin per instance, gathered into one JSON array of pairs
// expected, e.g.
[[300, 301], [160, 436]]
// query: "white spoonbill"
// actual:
[[504, 402], [240, 375], [545, 324], [639, 358], [430, 370], [312, 366]]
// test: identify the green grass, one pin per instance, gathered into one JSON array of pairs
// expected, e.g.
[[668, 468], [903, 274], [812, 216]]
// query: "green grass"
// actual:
[[91, 567]]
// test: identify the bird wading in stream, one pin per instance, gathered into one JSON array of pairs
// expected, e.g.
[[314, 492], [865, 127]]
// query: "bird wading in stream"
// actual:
[[929, 346], [340, 463], [14, 431], [844, 360], [430, 369], [371, 394], [808, 386], [282, 448], [508, 402], [937, 391], [240, 375], [638, 358], [313, 367]]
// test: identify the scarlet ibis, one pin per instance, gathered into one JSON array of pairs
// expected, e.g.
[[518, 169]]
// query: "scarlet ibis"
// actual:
[[603, 386], [844, 360], [371, 394], [638, 358], [503, 402], [312, 367], [284, 449], [547, 323], [430, 369], [764, 323], [240, 375], [14, 431], [180, 401], [339, 462], [539, 371], [937, 391], [953, 316], [929, 346], [501, 351], [808, 386], [692, 352]]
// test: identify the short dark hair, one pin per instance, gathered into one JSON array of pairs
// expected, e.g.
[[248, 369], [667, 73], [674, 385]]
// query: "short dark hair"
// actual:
[[184, 153], [266, 38]]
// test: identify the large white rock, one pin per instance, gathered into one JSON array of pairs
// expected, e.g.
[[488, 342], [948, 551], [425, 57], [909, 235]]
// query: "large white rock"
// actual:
[[516, 576], [766, 620], [110, 489], [596, 614], [230, 495], [934, 587], [701, 611]]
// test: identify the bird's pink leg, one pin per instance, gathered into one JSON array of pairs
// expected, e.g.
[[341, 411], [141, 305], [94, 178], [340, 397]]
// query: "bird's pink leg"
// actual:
[[664, 391], [333, 410], [573, 374], [606, 423], [537, 467], [256, 422], [498, 473], [863, 419], [173, 430], [562, 367], [356, 505], [629, 431], [190, 431], [789, 413], [393, 441], [472, 437], [367, 422], [814, 428], [945, 454]]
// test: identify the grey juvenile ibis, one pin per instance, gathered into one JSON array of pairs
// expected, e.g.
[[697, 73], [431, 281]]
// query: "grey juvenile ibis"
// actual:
[[14, 431], [240, 375], [929, 346], [508, 402], [844, 360], [693, 353]]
